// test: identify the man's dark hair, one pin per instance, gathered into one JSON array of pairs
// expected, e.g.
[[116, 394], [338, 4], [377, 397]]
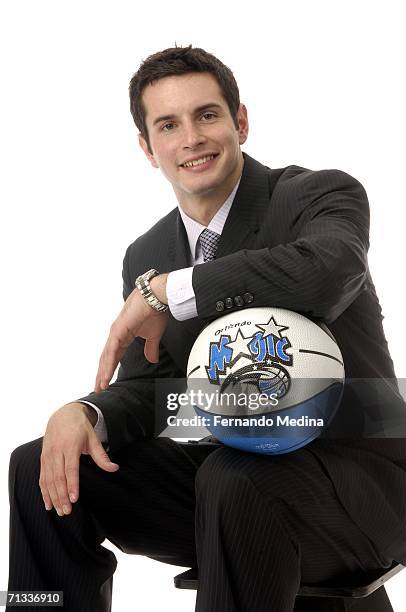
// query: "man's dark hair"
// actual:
[[176, 61]]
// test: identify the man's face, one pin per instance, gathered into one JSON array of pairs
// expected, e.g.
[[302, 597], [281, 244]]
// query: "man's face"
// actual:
[[188, 119]]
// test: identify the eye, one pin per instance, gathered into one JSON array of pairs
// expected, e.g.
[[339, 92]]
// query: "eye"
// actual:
[[165, 125], [209, 114]]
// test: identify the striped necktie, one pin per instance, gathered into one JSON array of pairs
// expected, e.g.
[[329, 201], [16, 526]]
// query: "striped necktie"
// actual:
[[209, 241]]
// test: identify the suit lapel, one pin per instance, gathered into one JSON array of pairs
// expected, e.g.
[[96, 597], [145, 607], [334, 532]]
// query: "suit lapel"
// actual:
[[248, 209], [178, 247]]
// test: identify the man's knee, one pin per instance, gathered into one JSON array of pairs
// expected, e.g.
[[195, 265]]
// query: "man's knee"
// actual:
[[229, 474], [221, 477], [25, 459]]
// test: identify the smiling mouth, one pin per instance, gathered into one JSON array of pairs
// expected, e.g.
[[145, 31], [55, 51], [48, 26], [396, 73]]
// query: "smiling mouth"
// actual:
[[199, 162]]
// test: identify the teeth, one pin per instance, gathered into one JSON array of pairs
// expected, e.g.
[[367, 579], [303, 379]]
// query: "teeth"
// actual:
[[198, 162]]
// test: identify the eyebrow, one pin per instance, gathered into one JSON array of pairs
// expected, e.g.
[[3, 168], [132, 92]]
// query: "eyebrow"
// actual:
[[199, 109]]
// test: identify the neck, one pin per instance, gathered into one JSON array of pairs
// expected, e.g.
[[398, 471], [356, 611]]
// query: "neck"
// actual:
[[203, 207]]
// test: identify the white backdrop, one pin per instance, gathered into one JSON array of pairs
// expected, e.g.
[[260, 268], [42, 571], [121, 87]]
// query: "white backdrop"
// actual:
[[323, 87]]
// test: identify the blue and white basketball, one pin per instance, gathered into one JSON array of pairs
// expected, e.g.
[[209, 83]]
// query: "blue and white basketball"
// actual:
[[265, 380]]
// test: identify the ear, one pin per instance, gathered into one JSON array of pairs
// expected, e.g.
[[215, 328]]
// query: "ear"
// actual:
[[243, 126], [144, 146]]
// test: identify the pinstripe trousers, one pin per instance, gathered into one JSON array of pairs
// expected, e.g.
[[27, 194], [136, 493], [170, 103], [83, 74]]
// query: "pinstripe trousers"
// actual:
[[255, 525]]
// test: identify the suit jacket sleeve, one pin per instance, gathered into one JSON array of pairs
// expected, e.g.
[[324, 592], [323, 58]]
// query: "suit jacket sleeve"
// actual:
[[319, 273], [128, 404]]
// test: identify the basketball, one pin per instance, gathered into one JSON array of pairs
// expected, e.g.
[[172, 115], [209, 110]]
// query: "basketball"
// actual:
[[265, 380]]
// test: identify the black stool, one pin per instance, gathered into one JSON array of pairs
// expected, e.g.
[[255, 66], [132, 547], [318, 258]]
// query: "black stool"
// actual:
[[358, 592]]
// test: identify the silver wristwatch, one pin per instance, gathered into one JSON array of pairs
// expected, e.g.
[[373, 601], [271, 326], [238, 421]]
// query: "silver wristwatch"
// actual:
[[143, 286]]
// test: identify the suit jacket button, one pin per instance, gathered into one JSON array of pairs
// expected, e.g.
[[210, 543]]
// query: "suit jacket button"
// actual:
[[238, 301], [248, 298], [219, 306], [229, 303]]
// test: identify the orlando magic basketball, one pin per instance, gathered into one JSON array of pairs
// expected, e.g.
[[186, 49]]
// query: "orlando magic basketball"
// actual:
[[265, 380]]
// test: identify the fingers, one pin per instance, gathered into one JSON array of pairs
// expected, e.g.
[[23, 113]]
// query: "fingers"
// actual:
[[69, 433], [72, 478], [122, 332], [99, 455], [59, 479], [135, 319], [44, 488], [151, 350], [51, 483], [111, 355]]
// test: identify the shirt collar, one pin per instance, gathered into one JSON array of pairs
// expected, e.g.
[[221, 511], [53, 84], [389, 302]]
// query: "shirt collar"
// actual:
[[194, 228]]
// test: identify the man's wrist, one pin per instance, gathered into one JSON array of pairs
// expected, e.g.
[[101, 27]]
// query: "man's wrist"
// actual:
[[158, 286], [88, 411]]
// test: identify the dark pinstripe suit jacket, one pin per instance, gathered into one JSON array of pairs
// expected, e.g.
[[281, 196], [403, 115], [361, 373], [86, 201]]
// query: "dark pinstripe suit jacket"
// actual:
[[296, 239]]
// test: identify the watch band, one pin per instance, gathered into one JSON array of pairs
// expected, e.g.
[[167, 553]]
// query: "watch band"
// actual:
[[143, 286]]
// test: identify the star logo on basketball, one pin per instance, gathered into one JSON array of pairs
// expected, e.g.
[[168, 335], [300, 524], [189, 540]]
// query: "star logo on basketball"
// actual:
[[252, 364]]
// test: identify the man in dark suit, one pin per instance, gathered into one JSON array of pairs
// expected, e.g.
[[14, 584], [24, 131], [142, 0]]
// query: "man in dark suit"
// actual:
[[244, 235]]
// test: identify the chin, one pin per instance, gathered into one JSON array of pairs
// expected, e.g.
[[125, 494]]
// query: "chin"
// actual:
[[206, 188]]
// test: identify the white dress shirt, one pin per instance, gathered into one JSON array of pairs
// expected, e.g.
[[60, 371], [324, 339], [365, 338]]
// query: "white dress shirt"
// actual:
[[179, 287]]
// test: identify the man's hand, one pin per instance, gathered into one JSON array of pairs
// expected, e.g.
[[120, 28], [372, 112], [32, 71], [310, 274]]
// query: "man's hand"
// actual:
[[69, 434], [136, 318]]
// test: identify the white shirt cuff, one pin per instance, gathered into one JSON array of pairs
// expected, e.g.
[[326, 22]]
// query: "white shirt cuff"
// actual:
[[100, 428], [180, 293]]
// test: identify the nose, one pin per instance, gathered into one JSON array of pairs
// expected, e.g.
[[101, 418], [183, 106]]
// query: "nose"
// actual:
[[193, 136]]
